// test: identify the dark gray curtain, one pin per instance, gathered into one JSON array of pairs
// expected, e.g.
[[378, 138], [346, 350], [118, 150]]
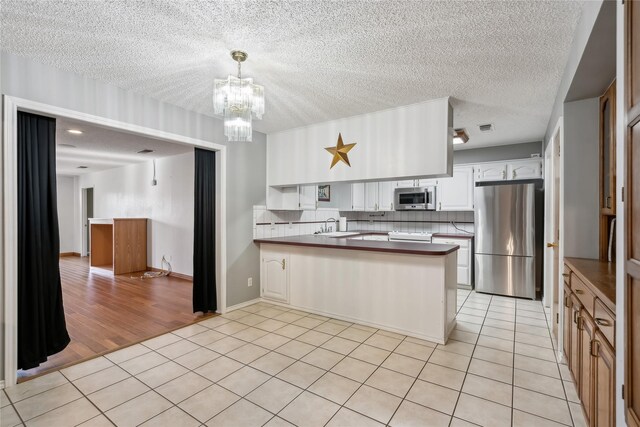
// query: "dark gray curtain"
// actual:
[[42, 330], [204, 228]]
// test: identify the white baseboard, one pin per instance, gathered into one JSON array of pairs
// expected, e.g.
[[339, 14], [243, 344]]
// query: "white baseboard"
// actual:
[[243, 304]]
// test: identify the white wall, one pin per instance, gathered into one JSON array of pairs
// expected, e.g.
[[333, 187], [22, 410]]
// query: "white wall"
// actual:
[[127, 193], [580, 157], [67, 213]]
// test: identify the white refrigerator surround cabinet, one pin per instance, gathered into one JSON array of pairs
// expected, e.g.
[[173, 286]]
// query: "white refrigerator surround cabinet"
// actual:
[[414, 140], [410, 294]]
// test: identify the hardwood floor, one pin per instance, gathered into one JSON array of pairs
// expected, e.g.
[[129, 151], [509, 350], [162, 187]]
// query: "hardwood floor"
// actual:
[[106, 312]]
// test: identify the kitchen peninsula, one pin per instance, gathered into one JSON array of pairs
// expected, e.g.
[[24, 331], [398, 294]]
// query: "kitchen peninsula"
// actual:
[[399, 286]]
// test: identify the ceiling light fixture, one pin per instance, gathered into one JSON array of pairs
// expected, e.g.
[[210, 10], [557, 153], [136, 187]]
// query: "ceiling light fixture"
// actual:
[[75, 131], [460, 136], [238, 100]]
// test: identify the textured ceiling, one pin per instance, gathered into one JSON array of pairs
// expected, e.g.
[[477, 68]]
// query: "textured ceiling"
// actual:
[[501, 61], [100, 148]]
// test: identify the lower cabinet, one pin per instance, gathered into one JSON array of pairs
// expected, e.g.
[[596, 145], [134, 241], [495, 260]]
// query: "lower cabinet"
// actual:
[[274, 276], [465, 257], [604, 367], [589, 353]]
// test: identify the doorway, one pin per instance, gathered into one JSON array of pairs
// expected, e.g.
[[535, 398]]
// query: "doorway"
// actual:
[[10, 219], [87, 213], [552, 229]]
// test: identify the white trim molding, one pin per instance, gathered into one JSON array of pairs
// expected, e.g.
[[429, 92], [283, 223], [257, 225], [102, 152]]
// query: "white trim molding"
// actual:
[[245, 304], [10, 207]]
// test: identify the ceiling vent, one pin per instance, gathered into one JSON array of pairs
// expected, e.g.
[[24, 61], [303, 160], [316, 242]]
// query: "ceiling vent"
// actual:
[[486, 127], [145, 151]]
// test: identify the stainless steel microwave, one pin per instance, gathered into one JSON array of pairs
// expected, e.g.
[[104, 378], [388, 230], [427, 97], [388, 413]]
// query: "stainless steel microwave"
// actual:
[[415, 198]]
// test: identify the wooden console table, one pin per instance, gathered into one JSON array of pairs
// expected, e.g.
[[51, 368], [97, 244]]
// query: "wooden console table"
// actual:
[[119, 244]]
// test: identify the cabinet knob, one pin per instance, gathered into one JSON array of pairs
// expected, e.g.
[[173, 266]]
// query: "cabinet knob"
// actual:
[[284, 263], [579, 291]]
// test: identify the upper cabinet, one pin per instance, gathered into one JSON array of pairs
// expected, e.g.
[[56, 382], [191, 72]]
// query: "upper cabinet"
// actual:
[[308, 197], [491, 172], [509, 170], [370, 196], [456, 193], [378, 196], [525, 169]]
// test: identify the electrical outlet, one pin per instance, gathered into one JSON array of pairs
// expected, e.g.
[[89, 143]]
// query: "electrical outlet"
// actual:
[[250, 281]]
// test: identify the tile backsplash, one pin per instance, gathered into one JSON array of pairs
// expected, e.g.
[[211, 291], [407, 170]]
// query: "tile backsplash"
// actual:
[[267, 223]]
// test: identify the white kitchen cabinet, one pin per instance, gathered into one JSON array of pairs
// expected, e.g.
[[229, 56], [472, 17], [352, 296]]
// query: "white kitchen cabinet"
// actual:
[[456, 193], [465, 257], [406, 183], [385, 195], [274, 276], [370, 196], [308, 197], [357, 196], [524, 169], [427, 182], [491, 172], [283, 198]]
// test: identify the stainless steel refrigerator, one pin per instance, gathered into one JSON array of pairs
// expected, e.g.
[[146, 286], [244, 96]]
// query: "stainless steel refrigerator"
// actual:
[[505, 223]]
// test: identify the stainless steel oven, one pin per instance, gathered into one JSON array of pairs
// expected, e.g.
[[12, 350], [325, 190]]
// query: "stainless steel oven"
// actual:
[[415, 198]]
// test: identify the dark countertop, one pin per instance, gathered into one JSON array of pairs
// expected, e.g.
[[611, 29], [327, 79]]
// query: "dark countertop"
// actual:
[[601, 275], [317, 241], [455, 235]]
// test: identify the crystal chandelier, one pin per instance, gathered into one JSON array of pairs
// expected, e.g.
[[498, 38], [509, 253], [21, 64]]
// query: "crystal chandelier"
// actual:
[[238, 100]]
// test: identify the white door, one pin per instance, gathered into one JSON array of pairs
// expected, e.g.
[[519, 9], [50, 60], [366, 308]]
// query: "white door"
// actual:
[[551, 229], [491, 172], [385, 196], [308, 197], [456, 193], [274, 278], [357, 196], [370, 196], [530, 169]]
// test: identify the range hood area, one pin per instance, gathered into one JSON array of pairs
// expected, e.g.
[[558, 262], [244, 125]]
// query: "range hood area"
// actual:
[[413, 140]]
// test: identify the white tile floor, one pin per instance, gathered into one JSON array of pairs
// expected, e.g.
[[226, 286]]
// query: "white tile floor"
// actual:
[[266, 365]]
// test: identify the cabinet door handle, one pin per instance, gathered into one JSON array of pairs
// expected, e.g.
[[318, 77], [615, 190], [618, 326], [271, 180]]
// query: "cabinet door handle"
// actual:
[[284, 263], [575, 316], [602, 322], [565, 274], [579, 291], [513, 174], [609, 202], [391, 205], [504, 174], [594, 347], [439, 206]]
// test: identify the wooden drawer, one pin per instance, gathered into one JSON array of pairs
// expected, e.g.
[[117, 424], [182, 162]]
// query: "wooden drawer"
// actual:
[[606, 321], [584, 294]]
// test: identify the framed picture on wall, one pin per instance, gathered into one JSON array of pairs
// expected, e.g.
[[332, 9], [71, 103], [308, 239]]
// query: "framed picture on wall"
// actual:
[[324, 193]]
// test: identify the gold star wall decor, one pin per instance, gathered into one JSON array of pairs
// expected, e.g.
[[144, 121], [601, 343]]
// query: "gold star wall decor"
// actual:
[[340, 152]]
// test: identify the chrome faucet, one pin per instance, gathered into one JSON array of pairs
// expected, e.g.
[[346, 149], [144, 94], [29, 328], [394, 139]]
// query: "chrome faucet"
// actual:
[[326, 225]]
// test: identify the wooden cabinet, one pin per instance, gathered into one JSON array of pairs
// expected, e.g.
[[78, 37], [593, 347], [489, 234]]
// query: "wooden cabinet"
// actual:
[[607, 168], [119, 244], [631, 280], [604, 393], [274, 275], [588, 341], [456, 193], [586, 329], [464, 257]]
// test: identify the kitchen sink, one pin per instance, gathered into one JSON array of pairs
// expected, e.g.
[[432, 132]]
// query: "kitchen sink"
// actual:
[[338, 234]]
